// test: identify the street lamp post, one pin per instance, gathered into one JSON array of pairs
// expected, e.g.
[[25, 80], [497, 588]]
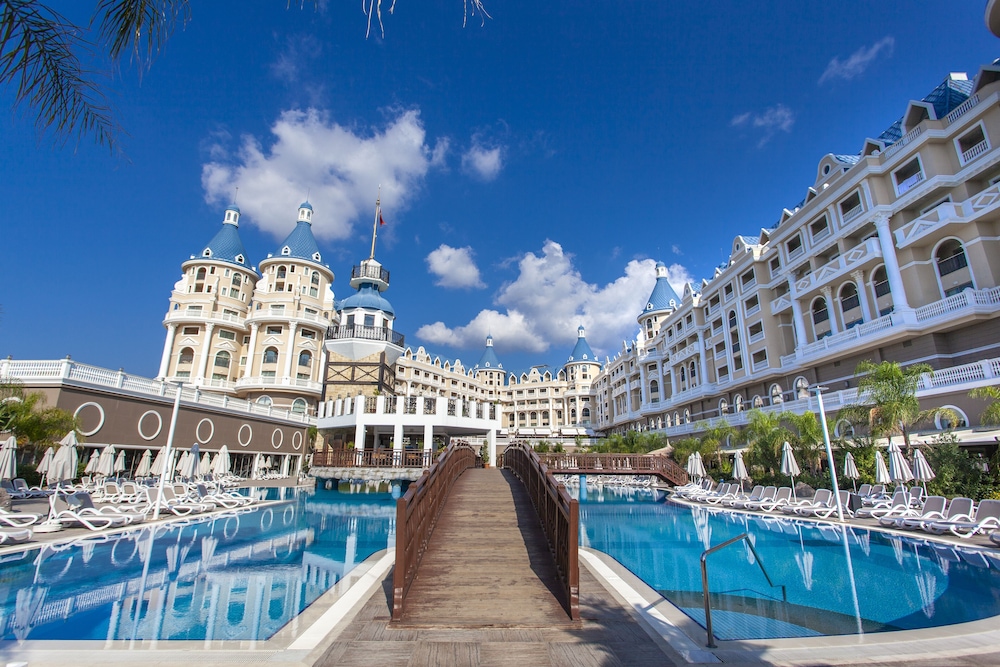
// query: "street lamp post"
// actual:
[[829, 452], [167, 452]]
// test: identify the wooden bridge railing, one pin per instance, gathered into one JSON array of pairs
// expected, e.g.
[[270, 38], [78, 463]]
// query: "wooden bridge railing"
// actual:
[[559, 515], [618, 464], [351, 458], [417, 513]]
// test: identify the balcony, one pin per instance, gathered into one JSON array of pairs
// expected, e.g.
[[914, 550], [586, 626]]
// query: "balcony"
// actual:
[[852, 259], [909, 183], [381, 334], [780, 303], [290, 383], [948, 213], [847, 216], [974, 152], [203, 315], [368, 271]]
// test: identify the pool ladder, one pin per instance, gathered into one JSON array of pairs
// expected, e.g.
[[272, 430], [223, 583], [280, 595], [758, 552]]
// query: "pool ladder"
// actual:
[[704, 580]]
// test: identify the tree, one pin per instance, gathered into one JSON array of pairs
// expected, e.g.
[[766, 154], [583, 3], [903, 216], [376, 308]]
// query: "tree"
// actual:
[[765, 436], [25, 415], [887, 398], [42, 54], [991, 415], [714, 436], [807, 438]]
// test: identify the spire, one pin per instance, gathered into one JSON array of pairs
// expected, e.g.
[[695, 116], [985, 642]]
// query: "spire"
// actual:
[[226, 245], [489, 360], [582, 351], [232, 215], [663, 296], [301, 244], [378, 220], [305, 212]]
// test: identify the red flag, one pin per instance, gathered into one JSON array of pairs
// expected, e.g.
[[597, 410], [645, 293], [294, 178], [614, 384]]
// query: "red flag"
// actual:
[[381, 222]]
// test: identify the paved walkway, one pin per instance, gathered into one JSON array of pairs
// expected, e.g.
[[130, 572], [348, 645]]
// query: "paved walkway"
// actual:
[[485, 596]]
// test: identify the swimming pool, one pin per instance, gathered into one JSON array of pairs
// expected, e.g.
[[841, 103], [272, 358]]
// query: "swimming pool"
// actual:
[[838, 580], [234, 576]]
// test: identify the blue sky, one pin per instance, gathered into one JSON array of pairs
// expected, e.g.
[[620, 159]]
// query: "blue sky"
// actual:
[[533, 168]]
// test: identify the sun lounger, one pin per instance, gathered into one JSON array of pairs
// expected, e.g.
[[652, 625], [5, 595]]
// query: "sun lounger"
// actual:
[[825, 511], [727, 492], [754, 495], [821, 499], [30, 491], [766, 493], [958, 509], [932, 510], [780, 499], [18, 519], [864, 490], [898, 506], [14, 535], [63, 512], [985, 520], [875, 495], [171, 503], [224, 498], [83, 501]]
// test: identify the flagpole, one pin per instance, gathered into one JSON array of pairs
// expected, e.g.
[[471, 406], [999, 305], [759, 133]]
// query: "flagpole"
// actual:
[[378, 206]]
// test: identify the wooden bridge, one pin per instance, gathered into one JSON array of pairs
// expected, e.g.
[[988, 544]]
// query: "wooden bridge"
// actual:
[[616, 464]]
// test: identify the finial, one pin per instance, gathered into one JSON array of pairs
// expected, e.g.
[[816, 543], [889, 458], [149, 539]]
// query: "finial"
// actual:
[[236, 195]]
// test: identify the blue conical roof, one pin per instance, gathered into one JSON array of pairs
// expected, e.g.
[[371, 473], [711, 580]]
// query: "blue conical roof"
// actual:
[[300, 244], [489, 358], [367, 297], [226, 245], [582, 351], [662, 293]]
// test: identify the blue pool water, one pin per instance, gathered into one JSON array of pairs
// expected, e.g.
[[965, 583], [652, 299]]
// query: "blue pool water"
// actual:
[[838, 580], [229, 577]]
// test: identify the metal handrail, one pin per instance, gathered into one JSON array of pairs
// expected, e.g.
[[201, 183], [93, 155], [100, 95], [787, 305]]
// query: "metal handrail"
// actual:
[[704, 580]]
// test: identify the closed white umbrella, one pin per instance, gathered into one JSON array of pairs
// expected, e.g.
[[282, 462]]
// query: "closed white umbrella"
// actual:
[[145, 464], [851, 470], [881, 471], [64, 461], [899, 469], [179, 468], [8, 458], [740, 469], [690, 465], [699, 466], [95, 458], [788, 464], [921, 469], [106, 462], [70, 440], [205, 467], [43, 465], [258, 465], [158, 463], [191, 463], [120, 462], [221, 465]]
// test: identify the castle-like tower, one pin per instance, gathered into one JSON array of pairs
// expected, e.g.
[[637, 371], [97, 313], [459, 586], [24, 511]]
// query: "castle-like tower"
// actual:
[[489, 371], [257, 336]]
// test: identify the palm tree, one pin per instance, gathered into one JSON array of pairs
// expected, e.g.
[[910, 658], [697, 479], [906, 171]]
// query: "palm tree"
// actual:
[[807, 438], [991, 415], [714, 436], [765, 435], [887, 398]]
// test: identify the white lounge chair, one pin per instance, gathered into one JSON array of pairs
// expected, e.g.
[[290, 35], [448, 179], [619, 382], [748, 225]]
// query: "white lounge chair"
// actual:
[[985, 520], [14, 535], [781, 498], [897, 506], [932, 510], [18, 519], [820, 500], [64, 513]]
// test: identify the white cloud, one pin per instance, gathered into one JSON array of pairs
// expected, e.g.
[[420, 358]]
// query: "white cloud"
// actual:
[[676, 249], [678, 277], [482, 159], [858, 61], [454, 267], [549, 299], [340, 169], [772, 120]]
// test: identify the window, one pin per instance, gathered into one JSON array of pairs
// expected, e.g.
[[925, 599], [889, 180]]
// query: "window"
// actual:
[[308, 333], [794, 246], [299, 406], [972, 144], [271, 355], [186, 356], [222, 360], [723, 406], [819, 229], [880, 281], [732, 319], [756, 332], [950, 417], [775, 393], [305, 358], [908, 176], [752, 305], [273, 330], [819, 311], [849, 298], [775, 266], [851, 207], [727, 291], [265, 400], [952, 262], [190, 331], [227, 335], [281, 273], [748, 279], [369, 320], [801, 387]]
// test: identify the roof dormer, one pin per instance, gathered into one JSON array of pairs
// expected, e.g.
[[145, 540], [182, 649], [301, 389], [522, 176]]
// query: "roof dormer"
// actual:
[[916, 113]]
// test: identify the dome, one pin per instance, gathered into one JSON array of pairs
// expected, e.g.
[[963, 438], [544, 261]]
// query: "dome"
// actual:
[[368, 298]]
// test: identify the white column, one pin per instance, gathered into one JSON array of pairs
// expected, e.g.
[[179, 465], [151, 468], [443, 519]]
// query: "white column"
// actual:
[[251, 350], [899, 300], [491, 439], [831, 311], [206, 349], [168, 345], [704, 362], [397, 443], [798, 324], [291, 350], [428, 443], [859, 281]]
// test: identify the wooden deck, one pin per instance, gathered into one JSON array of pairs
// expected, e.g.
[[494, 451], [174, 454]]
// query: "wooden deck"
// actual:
[[486, 594]]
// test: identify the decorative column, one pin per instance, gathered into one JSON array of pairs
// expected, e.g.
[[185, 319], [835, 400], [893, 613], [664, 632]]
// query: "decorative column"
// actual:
[[428, 443], [899, 300], [291, 351], [206, 349], [798, 324], [830, 310], [859, 281], [251, 350], [701, 353], [168, 345], [397, 443]]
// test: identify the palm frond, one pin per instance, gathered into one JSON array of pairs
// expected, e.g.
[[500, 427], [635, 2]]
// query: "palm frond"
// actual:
[[140, 27]]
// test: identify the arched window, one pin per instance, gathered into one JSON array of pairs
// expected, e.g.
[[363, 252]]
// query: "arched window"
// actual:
[[843, 429], [222, 359], [691, 372], [654, 390], [200, 275], [801, 387], [775, 393], [305, 358], [677, 418], [757, 402], [850, 305], [315, 279], [723, 406], [265, 400], [237, 280], [271, 355], [880, 286], [299, 406], [819, 312], [683, 374], [586, 415], [687, 416], [738, 403], [950, 417], [186, 356], [953, 267], [732, 319], [281, 273]]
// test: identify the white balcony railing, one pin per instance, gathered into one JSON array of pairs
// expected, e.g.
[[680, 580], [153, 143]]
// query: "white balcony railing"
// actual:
[[974, 152], [949, 213], [903, 141], [853, 213], [909, 183], [962, 108], [184, 315], [868, 249], [780, 303], [260, 381]]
